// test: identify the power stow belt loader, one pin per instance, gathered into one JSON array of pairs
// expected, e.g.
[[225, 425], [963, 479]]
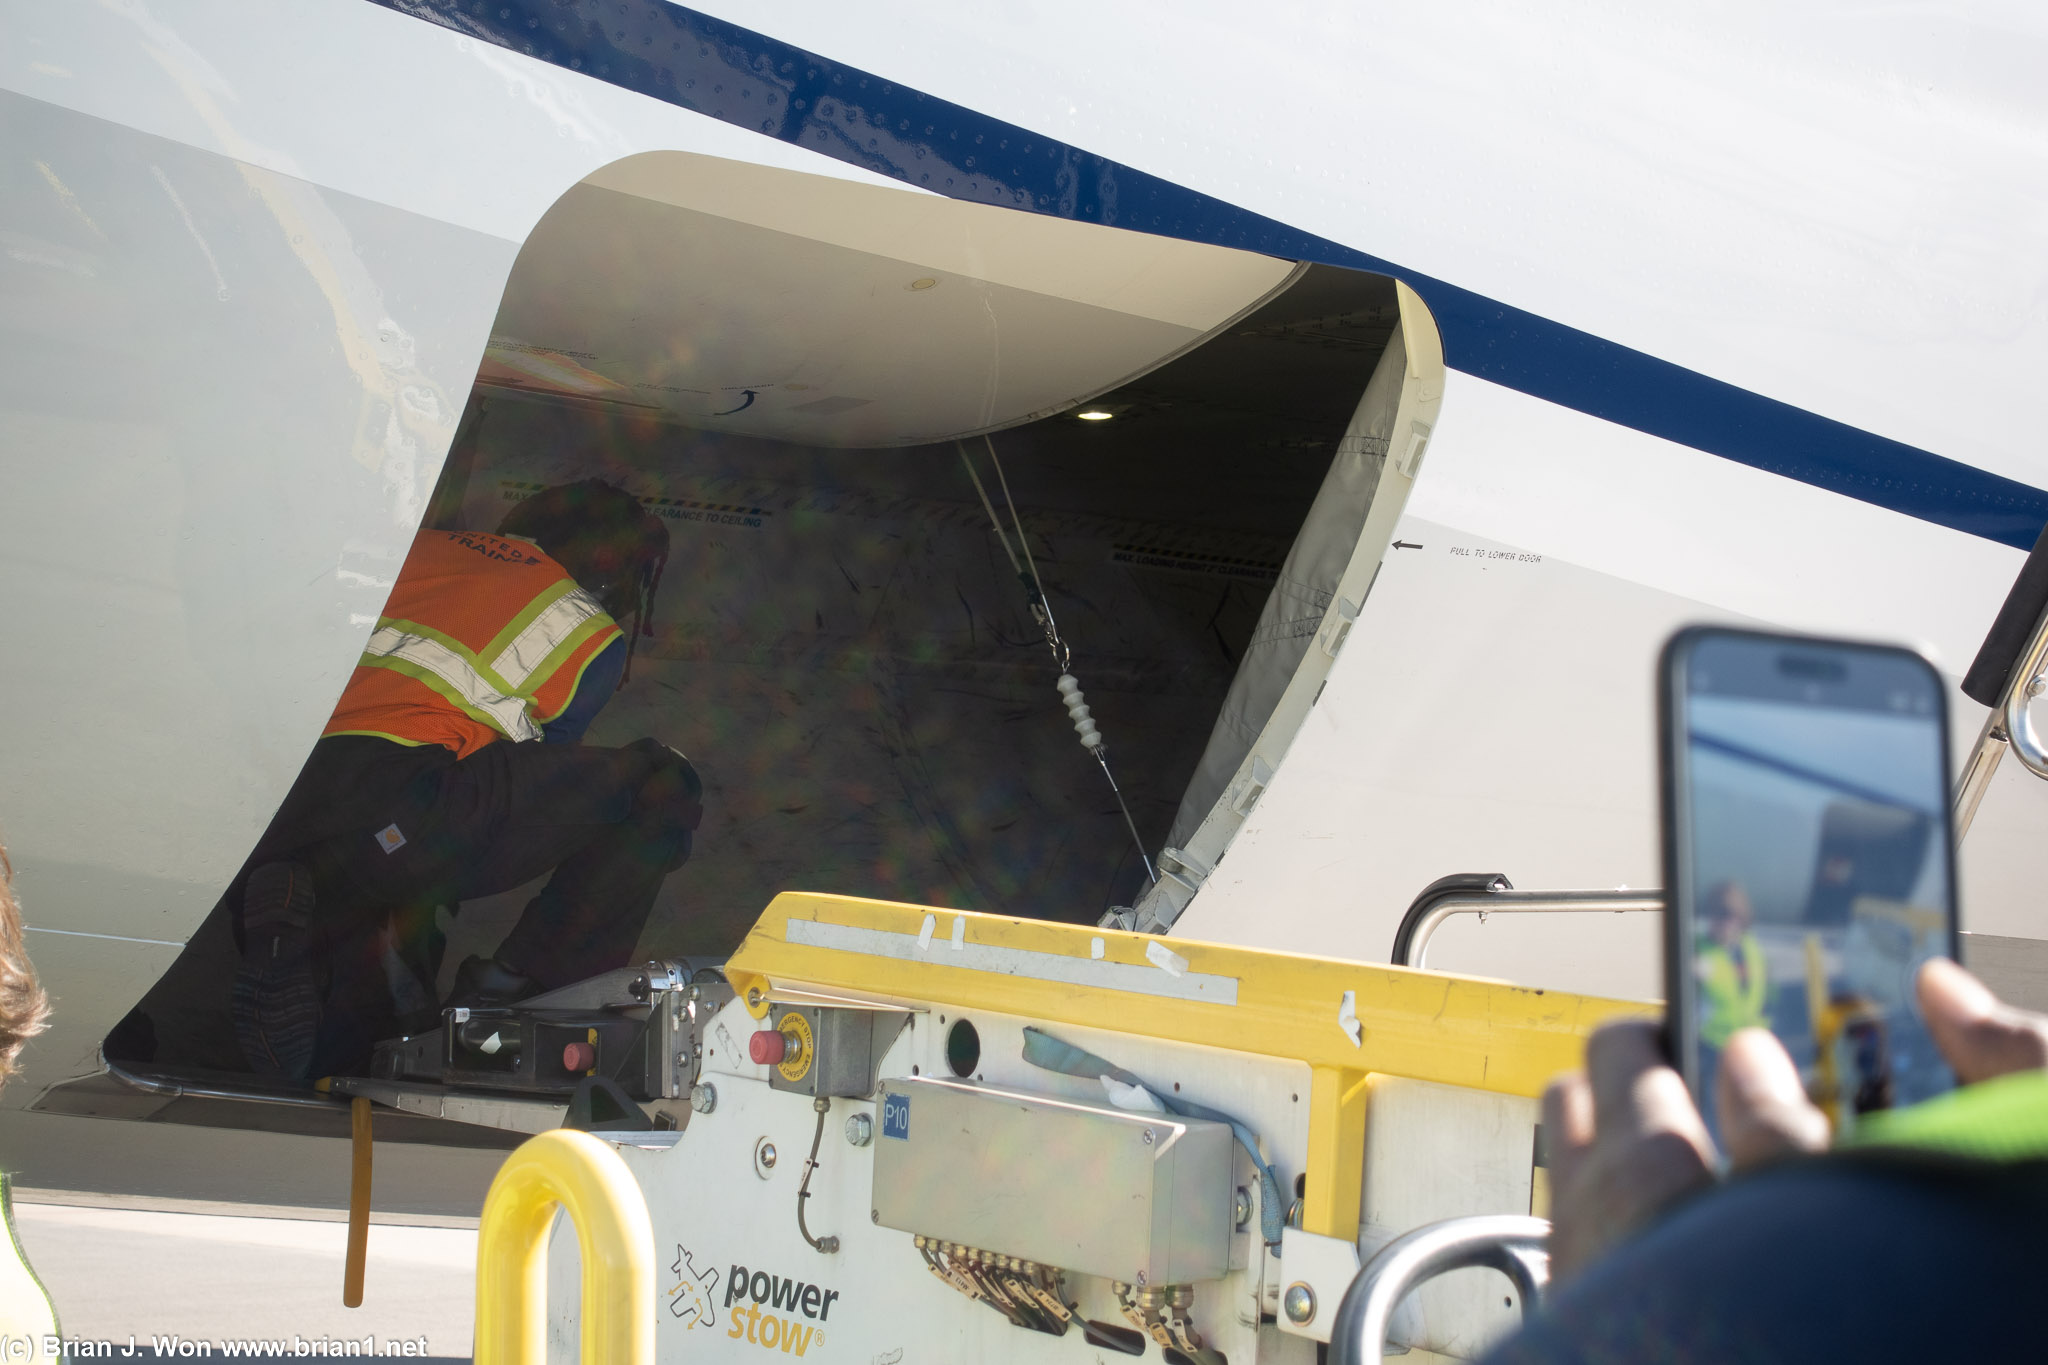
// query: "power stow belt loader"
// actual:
[[888, 1135]]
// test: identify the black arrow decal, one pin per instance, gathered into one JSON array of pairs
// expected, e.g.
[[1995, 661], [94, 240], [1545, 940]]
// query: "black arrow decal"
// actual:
[[1406, 545], [741, 408]]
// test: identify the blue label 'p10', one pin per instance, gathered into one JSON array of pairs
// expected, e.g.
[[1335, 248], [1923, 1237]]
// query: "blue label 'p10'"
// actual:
[[895, 1116]]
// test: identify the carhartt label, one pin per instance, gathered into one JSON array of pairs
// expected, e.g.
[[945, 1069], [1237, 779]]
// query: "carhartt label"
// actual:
[[896, 1116], [389, 838], [776, 1311]]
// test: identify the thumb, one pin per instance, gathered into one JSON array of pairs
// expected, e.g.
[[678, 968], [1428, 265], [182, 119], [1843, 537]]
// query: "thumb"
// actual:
[[1765, 1114], [1981, 1036]]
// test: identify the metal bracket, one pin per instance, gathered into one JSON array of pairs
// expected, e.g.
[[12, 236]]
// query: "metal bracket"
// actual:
[[1184, 867], [1250, 788], [1338, 628]]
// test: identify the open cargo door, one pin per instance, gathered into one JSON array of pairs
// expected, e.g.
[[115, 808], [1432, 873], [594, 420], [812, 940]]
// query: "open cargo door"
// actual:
[[1308, 616], [858, 409]]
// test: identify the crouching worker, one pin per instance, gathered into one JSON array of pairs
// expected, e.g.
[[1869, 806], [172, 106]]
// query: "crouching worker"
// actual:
[[453, 768]]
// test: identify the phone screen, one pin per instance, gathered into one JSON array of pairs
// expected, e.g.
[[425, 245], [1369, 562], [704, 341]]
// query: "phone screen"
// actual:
[[1811, 862]]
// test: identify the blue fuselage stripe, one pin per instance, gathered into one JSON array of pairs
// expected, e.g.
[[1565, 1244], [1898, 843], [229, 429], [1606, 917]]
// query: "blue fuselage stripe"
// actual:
[[744, 78]]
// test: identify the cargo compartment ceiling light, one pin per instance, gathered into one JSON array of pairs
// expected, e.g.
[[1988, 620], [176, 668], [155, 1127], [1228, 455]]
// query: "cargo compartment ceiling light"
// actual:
[[712, 293]]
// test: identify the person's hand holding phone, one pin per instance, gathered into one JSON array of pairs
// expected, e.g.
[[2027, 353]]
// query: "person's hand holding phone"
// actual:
[[1626, 1143], [1808, 860]]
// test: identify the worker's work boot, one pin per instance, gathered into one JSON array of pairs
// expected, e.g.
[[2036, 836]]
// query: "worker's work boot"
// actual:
[[275, 1002], [486, 983]]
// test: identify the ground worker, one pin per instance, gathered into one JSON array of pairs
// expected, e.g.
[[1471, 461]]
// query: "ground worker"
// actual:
[[452, 768], [1734, 987]]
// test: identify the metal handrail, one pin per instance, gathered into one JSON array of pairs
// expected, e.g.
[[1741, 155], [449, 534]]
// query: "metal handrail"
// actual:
[[1978, 770], [2009, 725], [1513, 1244], [1491, 893], [2005, 676], [2026, 685], [585, 1177]]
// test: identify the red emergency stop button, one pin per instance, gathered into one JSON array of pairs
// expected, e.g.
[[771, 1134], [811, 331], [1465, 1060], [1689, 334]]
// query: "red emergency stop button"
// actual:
[[578, 1056], [768, 1047]]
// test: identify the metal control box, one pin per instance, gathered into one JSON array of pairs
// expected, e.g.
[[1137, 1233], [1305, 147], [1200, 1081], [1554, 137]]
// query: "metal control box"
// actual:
[[831, 1049], [1139, 1198]]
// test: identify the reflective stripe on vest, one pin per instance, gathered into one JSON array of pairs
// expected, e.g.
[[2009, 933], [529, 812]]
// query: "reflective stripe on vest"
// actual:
[[545, 634], [482, 639], [493, 691], [502, 712]]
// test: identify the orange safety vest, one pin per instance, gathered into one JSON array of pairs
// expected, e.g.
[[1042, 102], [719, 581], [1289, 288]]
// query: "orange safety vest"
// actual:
[[482, 639]]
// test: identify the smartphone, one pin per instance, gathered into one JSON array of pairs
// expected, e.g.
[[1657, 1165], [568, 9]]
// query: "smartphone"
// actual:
[[1809, 860]]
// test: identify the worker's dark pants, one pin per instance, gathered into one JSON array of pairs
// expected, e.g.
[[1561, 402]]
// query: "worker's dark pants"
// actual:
[[390, 831]]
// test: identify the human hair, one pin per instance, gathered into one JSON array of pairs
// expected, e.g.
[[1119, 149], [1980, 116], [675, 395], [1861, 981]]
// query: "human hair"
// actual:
[[1727, 899], [611, 545], [24, 1007]]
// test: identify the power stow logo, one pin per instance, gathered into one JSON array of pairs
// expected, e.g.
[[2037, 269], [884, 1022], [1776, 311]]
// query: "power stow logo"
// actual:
[[798, 1307]]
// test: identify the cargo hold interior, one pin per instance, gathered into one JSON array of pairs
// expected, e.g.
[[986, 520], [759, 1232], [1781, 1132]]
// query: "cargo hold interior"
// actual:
[[798, 373]]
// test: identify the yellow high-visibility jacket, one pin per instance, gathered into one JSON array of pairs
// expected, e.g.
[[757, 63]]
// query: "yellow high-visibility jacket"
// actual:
[[1730, 1001]]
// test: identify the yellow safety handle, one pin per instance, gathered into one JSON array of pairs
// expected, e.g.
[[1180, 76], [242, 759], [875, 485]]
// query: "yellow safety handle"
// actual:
[[587, 1178]]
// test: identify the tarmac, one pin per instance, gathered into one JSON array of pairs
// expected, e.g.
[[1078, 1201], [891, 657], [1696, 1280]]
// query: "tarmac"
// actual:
[[164, 1274]]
